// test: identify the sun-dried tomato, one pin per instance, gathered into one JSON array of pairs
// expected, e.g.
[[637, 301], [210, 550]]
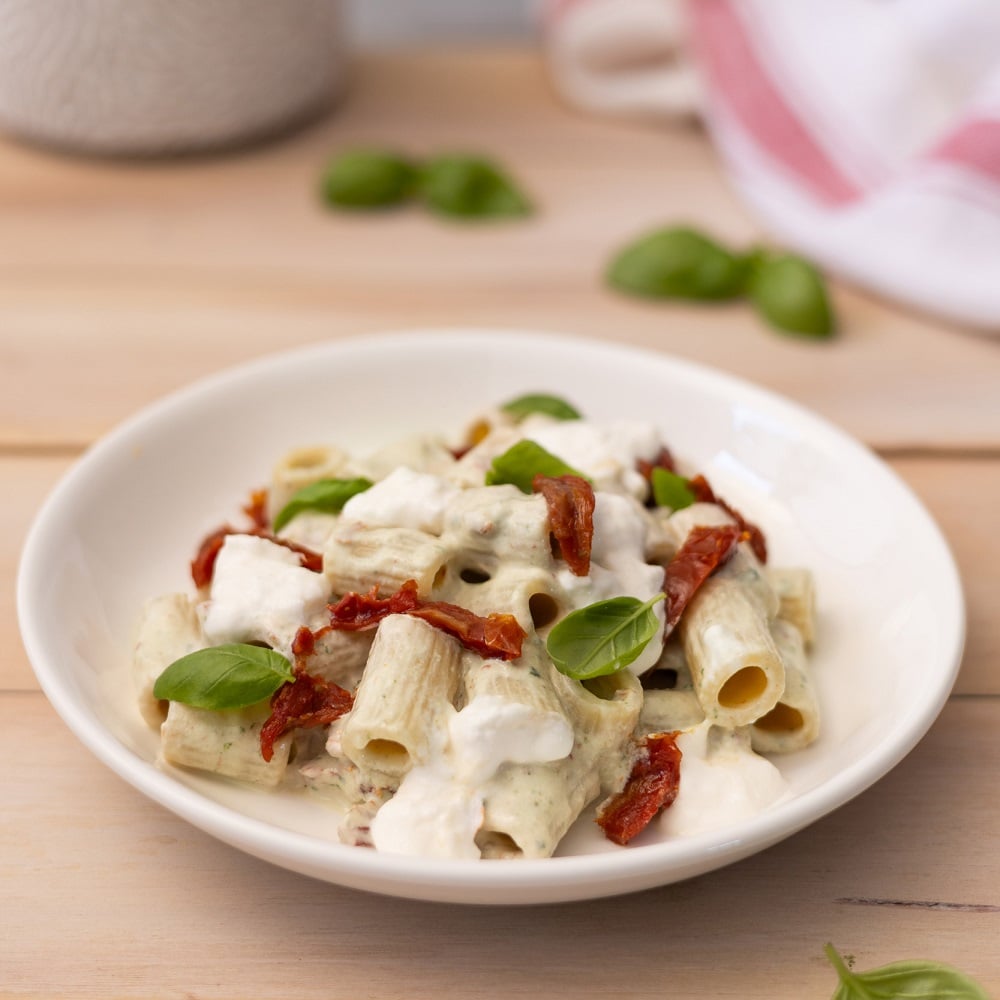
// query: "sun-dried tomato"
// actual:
[[355, 612], [203, 564], [651, 787], [704, 493], [703, 551], [304, 703], [256, 510], [498, 636], [570, 502]]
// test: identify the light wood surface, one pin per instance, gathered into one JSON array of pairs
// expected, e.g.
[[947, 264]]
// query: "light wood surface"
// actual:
[[121, 281]]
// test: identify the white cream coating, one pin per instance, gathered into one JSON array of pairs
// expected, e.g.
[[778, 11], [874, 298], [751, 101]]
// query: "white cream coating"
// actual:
[[608, 454], [260, 593], [438, 808], [404, 499], [722, 782]]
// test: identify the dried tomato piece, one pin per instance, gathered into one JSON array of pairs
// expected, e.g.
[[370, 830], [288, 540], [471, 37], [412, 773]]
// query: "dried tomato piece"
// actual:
[[256, 510], [703, 551], [651, 787], [304, 703], [355, 612], [498, 636], [570, 502], [705, 494], [203, 564]]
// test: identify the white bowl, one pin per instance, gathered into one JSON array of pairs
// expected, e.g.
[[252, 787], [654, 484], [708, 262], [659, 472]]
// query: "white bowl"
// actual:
[[123, 523]]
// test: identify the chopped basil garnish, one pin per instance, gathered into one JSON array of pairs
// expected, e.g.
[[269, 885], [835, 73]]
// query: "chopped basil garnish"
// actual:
[[791, 295], [903, 979], [470, 187], [603, 638], [551, 406], [326, 495], [678, 263], [521, 462], [368, 179], [220, 677], [670, 489]]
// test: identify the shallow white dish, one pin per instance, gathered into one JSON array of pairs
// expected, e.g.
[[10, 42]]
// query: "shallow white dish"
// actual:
[[124, 522]]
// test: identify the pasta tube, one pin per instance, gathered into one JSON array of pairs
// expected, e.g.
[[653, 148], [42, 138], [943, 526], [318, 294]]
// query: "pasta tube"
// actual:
[[226, 743], [793, 723], [169, 629], [401, 710], [357, 558]]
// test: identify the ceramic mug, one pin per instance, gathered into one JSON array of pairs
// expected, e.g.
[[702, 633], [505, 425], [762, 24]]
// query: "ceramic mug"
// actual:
[[166, 76]]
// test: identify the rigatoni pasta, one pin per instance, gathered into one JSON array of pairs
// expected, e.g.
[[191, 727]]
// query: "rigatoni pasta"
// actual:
[[470, 644]]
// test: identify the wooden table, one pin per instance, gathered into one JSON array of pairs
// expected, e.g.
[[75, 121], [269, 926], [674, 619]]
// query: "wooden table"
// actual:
[[121, 281]]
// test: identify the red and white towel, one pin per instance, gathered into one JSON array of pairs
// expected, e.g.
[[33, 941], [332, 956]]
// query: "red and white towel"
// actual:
[[863, 133]]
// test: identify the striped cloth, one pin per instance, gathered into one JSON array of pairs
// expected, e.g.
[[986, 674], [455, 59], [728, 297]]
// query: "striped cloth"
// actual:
[[863, 133]]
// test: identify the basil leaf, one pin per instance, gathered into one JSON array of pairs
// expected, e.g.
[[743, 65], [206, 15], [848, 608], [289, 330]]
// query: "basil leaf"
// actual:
[[552, 406], [791, 295], [903, 979], [327, 495], [603, 638], [678, 262], [231, 676], [470, 187], [670, 489], [368, 179], [521, 462]]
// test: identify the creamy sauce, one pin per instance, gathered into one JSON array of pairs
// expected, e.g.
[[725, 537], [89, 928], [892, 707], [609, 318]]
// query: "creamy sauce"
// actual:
[[722, 782], [439, 806], [404, 499], [260, 593]]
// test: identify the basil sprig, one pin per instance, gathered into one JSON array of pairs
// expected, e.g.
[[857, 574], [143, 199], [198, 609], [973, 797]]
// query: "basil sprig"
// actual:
[[791, 295], [903, 979], [539, 402], [603, 638], [678, 262], [235, 675], [326, 495], [522, 461], [670, 489], [458, 186], [470, 187], [367, 179]]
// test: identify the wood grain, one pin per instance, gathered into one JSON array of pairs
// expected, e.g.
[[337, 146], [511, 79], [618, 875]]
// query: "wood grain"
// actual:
[[122, 281], [142, 905]]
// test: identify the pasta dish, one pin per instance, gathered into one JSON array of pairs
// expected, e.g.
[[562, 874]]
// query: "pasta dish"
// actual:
[[466, 644]]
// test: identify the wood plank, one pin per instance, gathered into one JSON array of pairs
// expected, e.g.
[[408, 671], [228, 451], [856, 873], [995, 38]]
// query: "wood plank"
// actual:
[[107, 895], [960, 493], [122, 281]]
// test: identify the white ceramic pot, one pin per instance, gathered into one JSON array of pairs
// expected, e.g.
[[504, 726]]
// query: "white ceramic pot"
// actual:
[[166, 76]]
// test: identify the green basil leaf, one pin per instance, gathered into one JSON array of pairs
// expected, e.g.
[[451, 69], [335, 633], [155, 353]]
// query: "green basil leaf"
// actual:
[[539, 402], [231, 676], [678, 262], [366, 179], [903, 979], [471, 187], [670, 489], [603, 638], [326, 495], [791, 295], [522, 461]]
